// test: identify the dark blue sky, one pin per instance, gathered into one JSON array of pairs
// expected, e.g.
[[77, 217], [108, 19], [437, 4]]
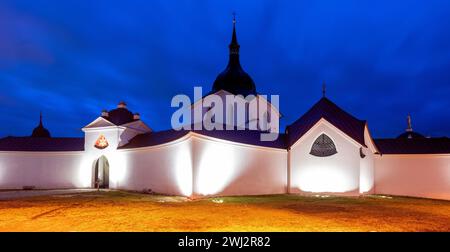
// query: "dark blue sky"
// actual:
[[71, 59]]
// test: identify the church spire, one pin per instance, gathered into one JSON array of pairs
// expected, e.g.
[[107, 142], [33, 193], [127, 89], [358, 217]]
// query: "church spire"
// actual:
[[40, 131], [234, 79], [408, 121], [234, 46]]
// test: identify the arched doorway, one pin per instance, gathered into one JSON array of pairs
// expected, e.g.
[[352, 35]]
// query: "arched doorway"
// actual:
[[101, 172]]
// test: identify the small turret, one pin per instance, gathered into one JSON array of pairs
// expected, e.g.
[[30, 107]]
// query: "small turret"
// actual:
[[410, 134], [40, 131]]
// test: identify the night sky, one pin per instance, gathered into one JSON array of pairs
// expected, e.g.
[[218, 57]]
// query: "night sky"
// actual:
[[71, 59]]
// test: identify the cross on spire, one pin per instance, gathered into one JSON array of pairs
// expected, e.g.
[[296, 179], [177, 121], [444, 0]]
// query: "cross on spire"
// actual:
[[234, 45]]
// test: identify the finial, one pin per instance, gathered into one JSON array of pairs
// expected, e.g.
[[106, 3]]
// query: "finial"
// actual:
[[40, 117], [324, 89], [234, 45], [408, 120]]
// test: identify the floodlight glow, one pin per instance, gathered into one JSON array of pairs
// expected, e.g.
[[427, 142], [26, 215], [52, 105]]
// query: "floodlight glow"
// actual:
[[85, 171], [217, 168], [117, 168], [326, 179]]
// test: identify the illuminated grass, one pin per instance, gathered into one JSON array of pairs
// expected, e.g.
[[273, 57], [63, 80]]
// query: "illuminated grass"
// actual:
[[124, 211]]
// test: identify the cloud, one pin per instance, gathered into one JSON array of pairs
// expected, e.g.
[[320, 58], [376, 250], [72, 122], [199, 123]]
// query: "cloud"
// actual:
[[380, 60]]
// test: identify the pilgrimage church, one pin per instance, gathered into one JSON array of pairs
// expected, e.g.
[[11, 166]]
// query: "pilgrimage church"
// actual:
[[325, 151]]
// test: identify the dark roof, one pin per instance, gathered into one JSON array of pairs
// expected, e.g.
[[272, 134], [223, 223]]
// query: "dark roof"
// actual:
[[41, 144], [154, 138], [410, 134], [234, 79], [439, 145], [251, 137], [119, 116], [326, 109]]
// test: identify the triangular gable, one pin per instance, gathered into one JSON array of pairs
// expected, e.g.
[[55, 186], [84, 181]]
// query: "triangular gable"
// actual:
[[224, 92], [99, 123], [208, 94], [272, 106], [329, 111], [333, 127]]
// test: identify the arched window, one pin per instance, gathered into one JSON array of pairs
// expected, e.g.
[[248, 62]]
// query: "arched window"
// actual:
[[323, 147]]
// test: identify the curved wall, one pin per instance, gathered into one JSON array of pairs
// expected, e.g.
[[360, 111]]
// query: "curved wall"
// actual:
[[227, 168]]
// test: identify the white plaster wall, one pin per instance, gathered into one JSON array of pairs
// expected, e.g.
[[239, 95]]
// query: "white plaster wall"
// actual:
[[413, 175], [367, 179], [45, 170], [339, 173], [112, 135], [225, 168], [367, 176], [165, 169]]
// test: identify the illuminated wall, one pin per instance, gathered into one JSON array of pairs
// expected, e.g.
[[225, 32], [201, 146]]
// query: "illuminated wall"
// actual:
[[40, 169], [227, 168], [367, 176], [197, 165], [339, 173], [413, 175], [165, 169]]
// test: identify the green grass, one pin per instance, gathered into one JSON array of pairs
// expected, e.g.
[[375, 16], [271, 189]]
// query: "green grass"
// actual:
[[127, 211]]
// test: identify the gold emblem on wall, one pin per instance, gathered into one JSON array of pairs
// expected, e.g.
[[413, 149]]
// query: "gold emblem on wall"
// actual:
[[101, 142]]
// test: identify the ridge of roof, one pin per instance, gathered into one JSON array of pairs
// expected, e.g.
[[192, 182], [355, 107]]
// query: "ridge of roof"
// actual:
[[250, 137], [11, 143], [435, 145], [325, 108]]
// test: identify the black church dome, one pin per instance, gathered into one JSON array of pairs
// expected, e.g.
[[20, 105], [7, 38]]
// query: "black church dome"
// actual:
[[234, 79]]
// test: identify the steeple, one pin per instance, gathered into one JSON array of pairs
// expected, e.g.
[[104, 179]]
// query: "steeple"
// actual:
[[234, 79], [234, 46], [408, 121], [410, 134], [40, 131]]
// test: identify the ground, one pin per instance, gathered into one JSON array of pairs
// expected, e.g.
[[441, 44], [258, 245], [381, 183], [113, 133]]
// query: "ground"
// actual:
[[125, 211]]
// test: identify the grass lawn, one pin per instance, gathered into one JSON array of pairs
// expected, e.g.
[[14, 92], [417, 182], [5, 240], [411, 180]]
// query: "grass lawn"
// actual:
[[124, 211]]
